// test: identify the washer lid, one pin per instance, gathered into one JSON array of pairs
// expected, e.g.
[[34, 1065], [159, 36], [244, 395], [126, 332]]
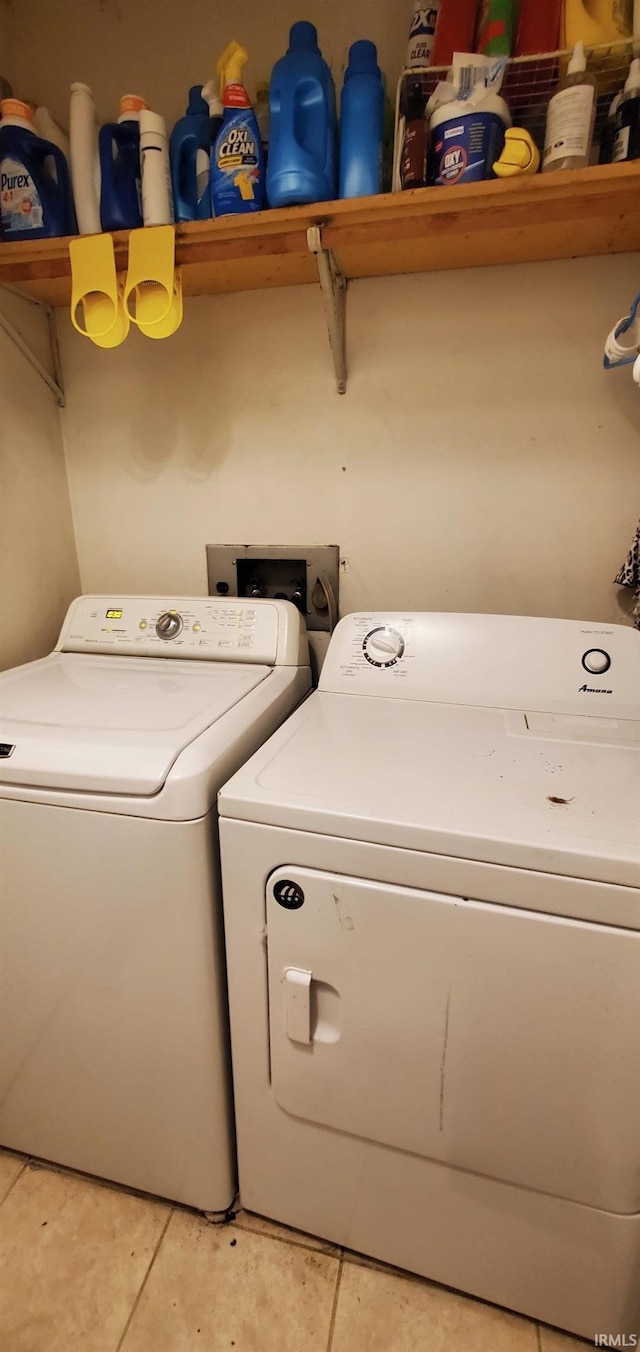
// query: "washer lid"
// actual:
[[558, 794], [110, 724]]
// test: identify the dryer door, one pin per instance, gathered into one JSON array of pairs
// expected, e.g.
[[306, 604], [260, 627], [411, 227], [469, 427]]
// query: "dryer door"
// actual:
[[491, 1038]]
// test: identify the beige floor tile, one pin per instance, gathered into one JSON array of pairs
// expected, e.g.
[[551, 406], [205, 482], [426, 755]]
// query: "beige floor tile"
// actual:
[[73, 1256], [260, 1225], [551, 1340], [364, 1260], [379, 1312], [10, 1167], [213, 1288]]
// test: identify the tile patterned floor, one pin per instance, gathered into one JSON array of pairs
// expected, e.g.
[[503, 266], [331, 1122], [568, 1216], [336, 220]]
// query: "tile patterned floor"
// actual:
[[87, 1267]]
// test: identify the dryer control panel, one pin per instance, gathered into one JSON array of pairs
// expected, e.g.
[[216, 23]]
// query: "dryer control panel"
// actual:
[[271, 633], [494, 661]]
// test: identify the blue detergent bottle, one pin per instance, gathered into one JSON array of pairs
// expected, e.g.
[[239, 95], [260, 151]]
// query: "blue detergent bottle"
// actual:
[[36, 200], [361, 123], [189, 150], [302, 143], [119, 153]]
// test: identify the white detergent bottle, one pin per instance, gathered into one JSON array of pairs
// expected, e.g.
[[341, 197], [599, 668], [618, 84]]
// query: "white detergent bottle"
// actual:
[[47, 127], [571, 117], [85, 163], [157, 195]]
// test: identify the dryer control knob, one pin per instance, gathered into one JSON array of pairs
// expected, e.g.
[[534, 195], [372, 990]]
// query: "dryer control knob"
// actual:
[[169, 624], [596, 661], [383, 647]]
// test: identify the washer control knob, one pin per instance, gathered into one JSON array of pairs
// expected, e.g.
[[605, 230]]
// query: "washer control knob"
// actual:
[[169, 624], [596, 661], [383, 647]]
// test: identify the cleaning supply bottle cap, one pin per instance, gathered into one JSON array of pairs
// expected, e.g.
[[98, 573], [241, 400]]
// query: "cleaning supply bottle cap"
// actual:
[[633, 78], [303, 37], [415, 101], [131, 103], [231, 65], [197, 106], [363, 59], [212, 98], [78, 88], [16, 108], [578, 60], [152, 126]]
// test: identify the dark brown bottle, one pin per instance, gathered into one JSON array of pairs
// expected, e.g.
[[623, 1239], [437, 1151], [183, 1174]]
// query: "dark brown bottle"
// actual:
[[413, 164]]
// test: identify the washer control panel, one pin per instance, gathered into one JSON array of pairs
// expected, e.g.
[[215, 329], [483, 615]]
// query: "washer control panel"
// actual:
[[495, 661], [237, 630]]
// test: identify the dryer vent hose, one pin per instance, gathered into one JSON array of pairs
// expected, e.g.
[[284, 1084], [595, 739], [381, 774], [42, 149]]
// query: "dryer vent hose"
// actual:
[[323, 598]]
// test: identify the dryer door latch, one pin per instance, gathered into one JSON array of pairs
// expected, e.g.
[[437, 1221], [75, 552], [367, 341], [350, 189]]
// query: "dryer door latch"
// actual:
[[297, 1004]]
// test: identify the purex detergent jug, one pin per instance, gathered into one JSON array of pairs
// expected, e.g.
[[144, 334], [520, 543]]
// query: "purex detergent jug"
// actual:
[[36, 200], [119, 151]]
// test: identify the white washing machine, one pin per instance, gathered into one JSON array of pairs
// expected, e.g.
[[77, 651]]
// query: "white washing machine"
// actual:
[[431, 879], [113, 1011]]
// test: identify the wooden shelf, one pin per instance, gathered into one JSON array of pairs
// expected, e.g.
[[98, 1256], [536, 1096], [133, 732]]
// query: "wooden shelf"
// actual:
[[560, 215]]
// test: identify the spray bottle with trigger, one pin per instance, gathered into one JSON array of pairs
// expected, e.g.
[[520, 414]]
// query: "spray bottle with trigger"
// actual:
[[237, 161]]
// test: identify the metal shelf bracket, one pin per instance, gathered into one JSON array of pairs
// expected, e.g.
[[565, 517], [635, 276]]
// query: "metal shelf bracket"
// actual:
[[333, 286], [53, 381]]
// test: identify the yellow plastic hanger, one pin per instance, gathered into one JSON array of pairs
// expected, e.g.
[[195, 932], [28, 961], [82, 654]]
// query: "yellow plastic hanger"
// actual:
[[153, 285], [95, 291]]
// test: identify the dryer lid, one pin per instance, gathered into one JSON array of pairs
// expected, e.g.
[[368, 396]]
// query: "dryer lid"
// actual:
[[110, 724], [558, 794]]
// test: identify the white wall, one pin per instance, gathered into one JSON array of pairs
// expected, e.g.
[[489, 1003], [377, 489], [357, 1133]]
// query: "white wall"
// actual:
[[6, 39], [38, 565], [480, 460], [159, 49]]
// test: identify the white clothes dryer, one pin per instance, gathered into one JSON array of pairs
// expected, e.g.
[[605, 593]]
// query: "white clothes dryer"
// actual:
[[431, 879], [114, 1046]]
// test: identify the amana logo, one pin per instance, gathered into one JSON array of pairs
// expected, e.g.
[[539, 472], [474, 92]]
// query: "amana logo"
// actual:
[[593, 690], [288, 894]]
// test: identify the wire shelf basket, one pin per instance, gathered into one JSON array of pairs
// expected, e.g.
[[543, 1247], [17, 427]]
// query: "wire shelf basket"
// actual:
[[530, 81]]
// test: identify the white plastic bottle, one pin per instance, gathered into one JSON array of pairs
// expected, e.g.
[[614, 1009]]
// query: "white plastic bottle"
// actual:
[[422, 32], [570, 117], [47, 127], [85, 164], [157, 197], [216, 113]]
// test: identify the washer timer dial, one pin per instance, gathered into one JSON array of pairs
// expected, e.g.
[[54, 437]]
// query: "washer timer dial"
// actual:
[[169, 624], [383, 647]]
